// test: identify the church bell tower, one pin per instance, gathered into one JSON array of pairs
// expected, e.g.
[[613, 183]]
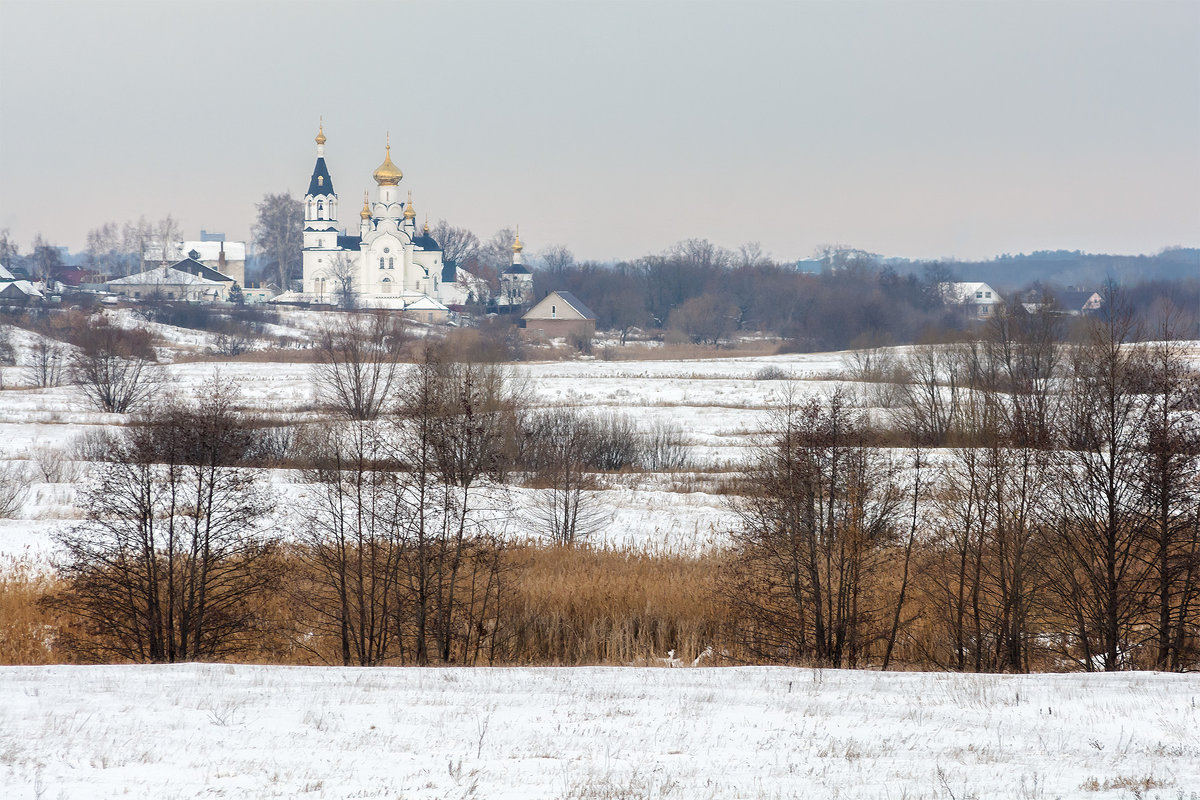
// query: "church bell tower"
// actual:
[[320, 222]]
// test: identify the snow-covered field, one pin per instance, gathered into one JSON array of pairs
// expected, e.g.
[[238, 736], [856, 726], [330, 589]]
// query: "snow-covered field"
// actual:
[[259, 732], [719, 403]]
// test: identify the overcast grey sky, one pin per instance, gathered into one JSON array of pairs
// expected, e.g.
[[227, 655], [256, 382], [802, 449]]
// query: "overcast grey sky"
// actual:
[[910, 128]]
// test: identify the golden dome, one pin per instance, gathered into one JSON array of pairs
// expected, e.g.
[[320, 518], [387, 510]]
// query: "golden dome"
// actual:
[[366, 212], [388, 174], [321, 133], [409, 211], [427, 222], [517, 246]]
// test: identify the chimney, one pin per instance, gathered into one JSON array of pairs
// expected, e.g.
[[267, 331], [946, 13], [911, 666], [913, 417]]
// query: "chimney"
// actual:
[[221, 259]]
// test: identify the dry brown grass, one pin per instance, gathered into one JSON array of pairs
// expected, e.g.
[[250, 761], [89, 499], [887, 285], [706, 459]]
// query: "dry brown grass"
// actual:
[[563, 605], [560, 605], [574, 605], [27, 630]]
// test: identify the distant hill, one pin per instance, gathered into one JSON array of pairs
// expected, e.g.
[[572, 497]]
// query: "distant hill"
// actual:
[[1068, 267]]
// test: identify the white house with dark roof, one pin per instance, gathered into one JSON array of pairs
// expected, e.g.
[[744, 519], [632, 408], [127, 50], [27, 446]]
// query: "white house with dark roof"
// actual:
[[169, 283], [15, 290], [978, 299], [559, 314], [387, 261]]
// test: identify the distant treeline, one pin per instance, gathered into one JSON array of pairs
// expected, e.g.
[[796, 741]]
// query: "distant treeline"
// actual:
[[707, 293]]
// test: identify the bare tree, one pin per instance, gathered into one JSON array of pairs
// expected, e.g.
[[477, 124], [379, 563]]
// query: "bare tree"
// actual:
[[497, 252], [14, 487], [359, 364], [932, 393], [10, 251], [917, 494], [459, 245], [172, 554], [342, 272], [701, 253], [111, 374], [818, 518], [453, 426], [1171, 493], [707, 319], [279, 238], [353, 538], [163, 243], [750, 255], [45, 259], [8, 355], [627, 311], [137, 239], [560, 443], [46, 364], [1025, 354], [105, 250], [468, 432], [1098, 530], [556, 259]]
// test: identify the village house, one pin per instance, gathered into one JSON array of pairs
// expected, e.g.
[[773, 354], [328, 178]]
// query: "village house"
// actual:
[[1075, 302], [17, 291], [559, 314], [227, 258], [977, 299], [172, 283]]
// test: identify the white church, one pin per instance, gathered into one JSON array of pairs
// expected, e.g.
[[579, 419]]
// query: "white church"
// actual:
[[389, 263]]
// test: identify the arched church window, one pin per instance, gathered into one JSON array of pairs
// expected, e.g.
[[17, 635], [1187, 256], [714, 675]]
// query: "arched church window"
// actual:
[[391, 263], [381, 262], [320, 209]]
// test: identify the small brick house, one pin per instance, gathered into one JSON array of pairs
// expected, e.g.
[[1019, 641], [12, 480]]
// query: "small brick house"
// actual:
[[558, 315]]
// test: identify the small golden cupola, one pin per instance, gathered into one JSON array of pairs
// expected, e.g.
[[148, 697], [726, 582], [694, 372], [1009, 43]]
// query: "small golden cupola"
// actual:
[[366, 212], [427, 222], [410, 212], [517, 246], [321, 133], [388, 174]]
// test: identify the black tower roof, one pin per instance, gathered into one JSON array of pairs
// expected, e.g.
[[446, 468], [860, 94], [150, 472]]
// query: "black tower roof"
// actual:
[[320, 183]]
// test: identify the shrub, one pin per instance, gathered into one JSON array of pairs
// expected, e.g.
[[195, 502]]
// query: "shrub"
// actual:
[[770, 373], [664, 448]]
